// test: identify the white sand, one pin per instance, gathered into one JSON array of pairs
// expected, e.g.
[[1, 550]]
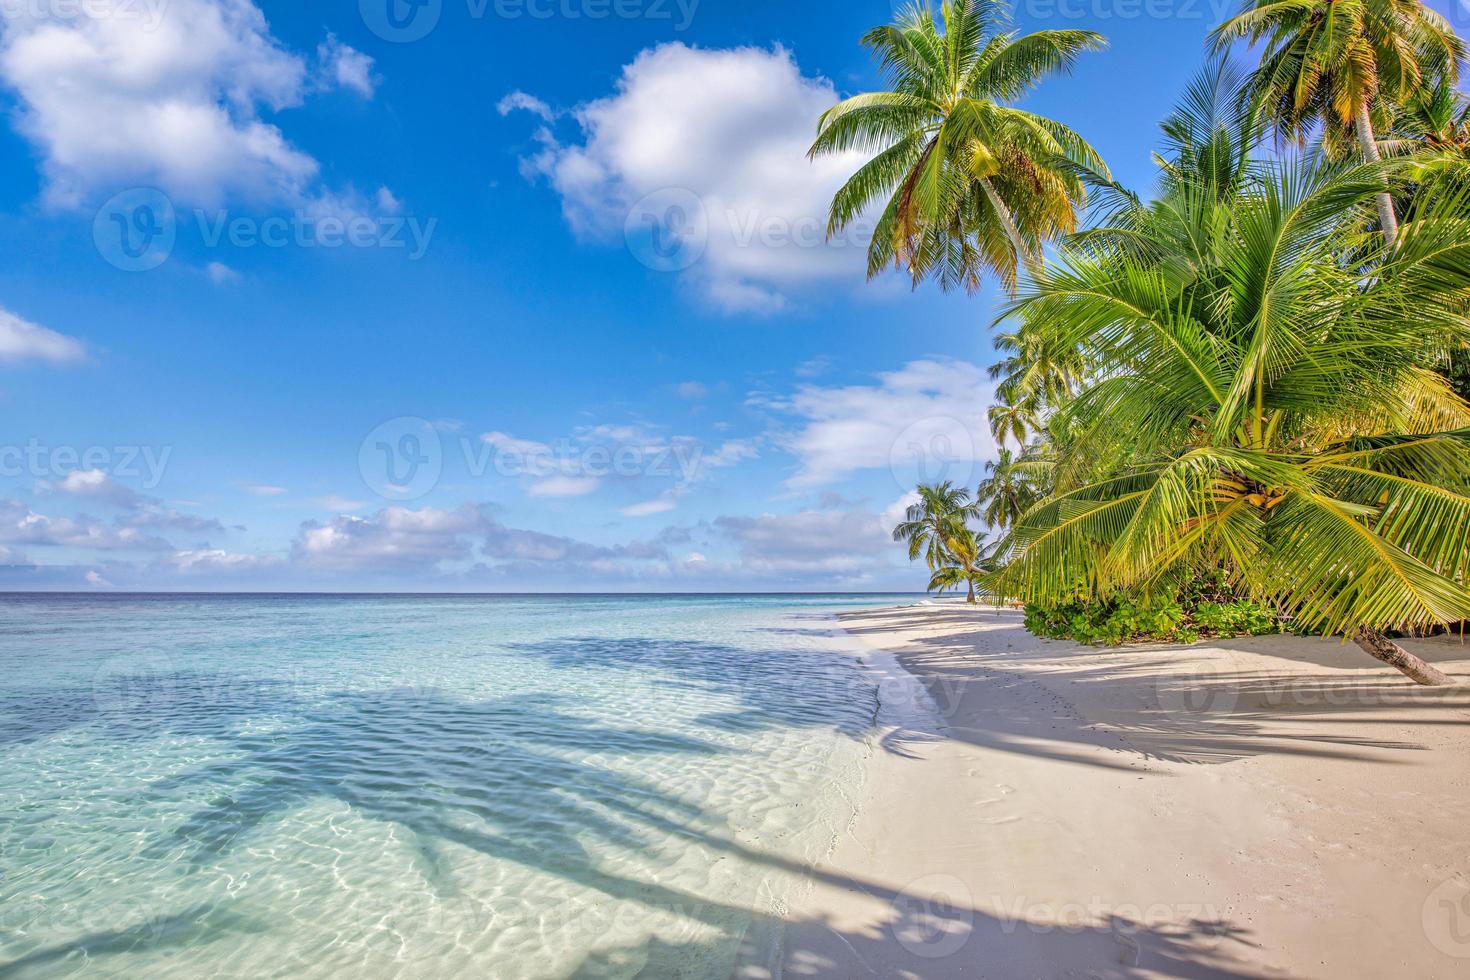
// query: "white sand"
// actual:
[[1271, 807]]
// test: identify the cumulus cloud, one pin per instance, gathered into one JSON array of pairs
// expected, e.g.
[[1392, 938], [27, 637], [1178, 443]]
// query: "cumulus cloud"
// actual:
[[343, 66], [140, 511], [580, 464], [21, 525], [164, 95], [726, 133], [394, 536], [810, 541], [22, 340], [213, 560], [926, 421], [399, 538]]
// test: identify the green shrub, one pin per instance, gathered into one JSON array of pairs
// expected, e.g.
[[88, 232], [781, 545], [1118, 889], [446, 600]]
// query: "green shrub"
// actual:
[[1125, 617]]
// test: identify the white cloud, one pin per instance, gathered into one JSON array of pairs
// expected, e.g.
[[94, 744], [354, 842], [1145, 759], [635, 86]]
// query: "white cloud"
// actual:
[[140, 511], [262, 489], [814, 541], [338, 504], [926, 421], [691, 389], [94, 578], [391, 537], [173, 101], [22, 340], [528, 103], [97, 485], [647, 508], [21, 525], [564, 486], [387, 202], [215, 560], [730, 127], [346, 67], [220, 274]]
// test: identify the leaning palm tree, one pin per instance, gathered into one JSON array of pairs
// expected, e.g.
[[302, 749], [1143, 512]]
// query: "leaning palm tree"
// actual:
[[1343, 65], [940, 513], [972, 184], [1265, 373], [967, 560]]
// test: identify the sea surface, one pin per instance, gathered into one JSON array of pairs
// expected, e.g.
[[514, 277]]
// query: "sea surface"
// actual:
[[380, 786]]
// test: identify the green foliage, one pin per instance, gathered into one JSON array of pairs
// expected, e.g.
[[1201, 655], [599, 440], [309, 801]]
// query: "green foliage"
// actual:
[[1258, 395], [1124, 618], [964, 183]]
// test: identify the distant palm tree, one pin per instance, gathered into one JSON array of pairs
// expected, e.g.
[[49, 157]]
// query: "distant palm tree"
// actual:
[[1341, 64], [967, 560], [940, 512], [1006, 493], [973, 184]]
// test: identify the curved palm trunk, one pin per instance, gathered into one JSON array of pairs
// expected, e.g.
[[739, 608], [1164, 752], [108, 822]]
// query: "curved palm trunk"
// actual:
[[1382, 648], [1369, 142], [971, 598], [1008, 224]]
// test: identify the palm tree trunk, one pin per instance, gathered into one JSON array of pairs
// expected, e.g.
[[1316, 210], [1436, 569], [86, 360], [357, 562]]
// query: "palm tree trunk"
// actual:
[[971, 599], [1369, 142], [1377, 645], [1024, 256]]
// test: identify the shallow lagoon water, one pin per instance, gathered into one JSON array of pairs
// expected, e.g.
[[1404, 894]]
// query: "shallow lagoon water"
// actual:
[[316, 786]]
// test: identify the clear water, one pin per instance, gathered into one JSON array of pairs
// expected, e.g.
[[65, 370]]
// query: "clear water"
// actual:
[[415, 786]]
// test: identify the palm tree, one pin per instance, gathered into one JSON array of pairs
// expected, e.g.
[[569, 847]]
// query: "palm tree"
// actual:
[[1343, 64], [1436, 120], [972, 184], [1007, 491], [1272, 404], [967, 560], [940, 513]]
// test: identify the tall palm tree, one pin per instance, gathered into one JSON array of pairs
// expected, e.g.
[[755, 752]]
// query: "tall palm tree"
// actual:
[[1276, 402], [1007, 491], [972, 183], [966, 559], [940, 513], [1343, 64]]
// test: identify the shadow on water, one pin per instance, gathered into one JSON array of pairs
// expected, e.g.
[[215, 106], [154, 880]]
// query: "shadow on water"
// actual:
[[772, 688], [526, 779]]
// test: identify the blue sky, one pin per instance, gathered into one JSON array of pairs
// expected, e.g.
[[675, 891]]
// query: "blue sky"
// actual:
[[422, 243]]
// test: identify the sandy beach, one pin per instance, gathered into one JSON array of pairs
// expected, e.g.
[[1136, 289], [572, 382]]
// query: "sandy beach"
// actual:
[[1265, 807]]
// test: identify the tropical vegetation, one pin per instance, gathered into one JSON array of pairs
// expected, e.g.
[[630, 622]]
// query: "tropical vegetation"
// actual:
[[1232, 399]]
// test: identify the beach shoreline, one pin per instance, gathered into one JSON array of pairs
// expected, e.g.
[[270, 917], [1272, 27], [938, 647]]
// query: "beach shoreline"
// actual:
[[1259, 807]]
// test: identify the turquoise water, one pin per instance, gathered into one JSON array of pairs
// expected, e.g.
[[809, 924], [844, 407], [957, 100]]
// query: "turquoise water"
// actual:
[[416, 786]]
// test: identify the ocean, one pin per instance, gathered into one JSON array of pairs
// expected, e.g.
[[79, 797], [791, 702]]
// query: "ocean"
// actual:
[[379, 786]]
